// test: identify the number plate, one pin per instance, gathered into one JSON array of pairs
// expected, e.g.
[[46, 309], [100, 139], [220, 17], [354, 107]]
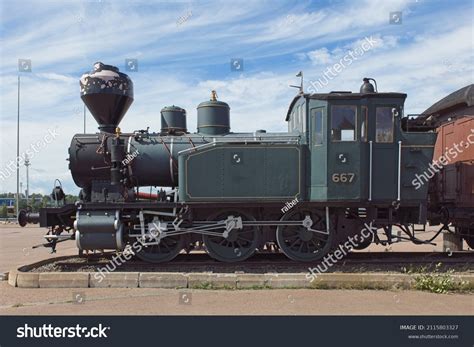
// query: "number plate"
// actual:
[[343, 177]]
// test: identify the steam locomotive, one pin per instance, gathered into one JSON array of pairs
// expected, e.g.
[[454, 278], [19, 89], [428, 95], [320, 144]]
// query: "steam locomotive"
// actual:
[[347, 164]]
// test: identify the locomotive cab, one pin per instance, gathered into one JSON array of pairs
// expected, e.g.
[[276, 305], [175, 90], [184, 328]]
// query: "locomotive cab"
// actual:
[[357, 150]]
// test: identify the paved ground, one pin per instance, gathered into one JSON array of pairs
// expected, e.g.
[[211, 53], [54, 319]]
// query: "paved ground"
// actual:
[[16, 243], [15, 250], [224, 302]]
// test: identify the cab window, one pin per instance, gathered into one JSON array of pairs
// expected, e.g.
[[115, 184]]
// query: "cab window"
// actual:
[[343, 123], [300, 118], [297, 118], [383, 124], [363, 123], [303, 117], [297, 121], [317, 118]]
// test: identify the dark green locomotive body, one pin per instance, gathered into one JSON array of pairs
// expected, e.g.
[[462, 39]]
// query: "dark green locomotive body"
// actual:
[[341, 147]]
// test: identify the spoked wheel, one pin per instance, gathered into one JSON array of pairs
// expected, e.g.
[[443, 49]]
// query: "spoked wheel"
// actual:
[[240, 243], [300, 244], [168, 248]]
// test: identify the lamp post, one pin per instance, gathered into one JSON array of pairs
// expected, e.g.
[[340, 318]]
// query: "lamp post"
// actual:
[[24, 65], [18, 152]]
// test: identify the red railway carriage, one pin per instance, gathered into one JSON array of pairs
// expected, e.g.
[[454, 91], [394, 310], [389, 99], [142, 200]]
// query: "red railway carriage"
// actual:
[[455, 147], [452, 187]]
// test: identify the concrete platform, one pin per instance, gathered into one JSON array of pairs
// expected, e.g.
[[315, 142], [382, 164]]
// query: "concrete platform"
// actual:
[[162, 280], [62, 280]]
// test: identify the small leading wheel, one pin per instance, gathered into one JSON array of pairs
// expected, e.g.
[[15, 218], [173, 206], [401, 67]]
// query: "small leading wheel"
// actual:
[[240, 243], [168, 248], [300, 244]]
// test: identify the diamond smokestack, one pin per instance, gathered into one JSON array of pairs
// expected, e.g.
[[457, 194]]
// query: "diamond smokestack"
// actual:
[[107, 94]]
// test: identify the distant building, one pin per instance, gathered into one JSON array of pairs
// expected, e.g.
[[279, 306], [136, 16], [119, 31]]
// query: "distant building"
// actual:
[[9, 203]]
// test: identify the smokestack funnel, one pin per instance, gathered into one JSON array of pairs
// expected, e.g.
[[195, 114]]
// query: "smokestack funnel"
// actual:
[[107, 94]]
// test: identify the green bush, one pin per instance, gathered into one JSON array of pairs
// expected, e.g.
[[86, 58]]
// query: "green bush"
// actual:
[[436, 281]]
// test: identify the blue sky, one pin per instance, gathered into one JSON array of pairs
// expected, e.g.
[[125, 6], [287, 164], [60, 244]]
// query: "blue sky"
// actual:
[[184, 50]]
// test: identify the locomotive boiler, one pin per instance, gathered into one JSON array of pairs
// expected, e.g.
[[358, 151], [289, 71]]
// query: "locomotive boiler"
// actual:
[[346, 165]]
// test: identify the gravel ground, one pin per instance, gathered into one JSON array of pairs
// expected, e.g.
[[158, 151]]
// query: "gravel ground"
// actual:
[[74, 264]]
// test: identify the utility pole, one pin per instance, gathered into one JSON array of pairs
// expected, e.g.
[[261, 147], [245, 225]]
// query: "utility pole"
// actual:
[[27, 164], [84, 118], [18, 153], [24, 65]]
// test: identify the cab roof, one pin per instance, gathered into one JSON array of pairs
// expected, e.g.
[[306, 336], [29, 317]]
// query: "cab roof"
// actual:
[[342, 96]]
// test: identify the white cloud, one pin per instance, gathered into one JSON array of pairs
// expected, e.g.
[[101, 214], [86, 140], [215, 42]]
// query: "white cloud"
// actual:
[[329, 24], [320, 56], [323, 56]]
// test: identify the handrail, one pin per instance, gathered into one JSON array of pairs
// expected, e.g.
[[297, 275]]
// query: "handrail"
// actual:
[[399, 169], [370, 170], [296, 140]]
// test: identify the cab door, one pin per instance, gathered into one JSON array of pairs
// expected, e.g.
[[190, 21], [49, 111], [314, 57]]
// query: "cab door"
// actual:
[[385, 156], [318, 151], [344, 155]]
